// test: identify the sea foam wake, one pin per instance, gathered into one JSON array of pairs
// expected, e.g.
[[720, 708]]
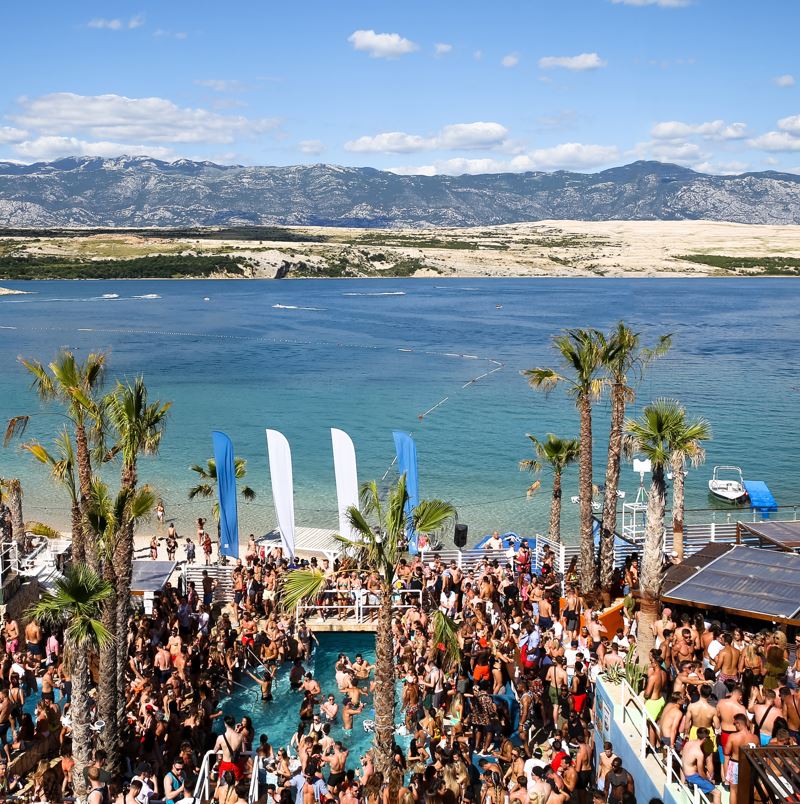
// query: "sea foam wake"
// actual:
[[295, 307], [384, 293]]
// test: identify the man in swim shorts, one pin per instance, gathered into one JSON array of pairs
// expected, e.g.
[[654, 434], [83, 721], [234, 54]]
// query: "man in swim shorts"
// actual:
[[695, 759]]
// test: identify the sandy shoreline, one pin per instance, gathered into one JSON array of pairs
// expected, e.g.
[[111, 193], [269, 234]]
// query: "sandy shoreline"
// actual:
[[548, 248]]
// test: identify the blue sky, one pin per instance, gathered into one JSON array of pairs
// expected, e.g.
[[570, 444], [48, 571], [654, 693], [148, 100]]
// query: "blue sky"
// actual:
[[427, 87]]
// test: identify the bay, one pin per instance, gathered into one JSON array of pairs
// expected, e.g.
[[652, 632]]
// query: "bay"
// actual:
[[370, 356]]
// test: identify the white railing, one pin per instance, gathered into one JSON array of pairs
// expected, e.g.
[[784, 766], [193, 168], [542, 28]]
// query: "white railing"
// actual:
[[358, 609], [202, 788], [670, 764]]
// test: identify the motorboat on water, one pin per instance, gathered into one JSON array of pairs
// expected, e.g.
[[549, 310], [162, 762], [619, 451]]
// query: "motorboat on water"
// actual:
[[727, 484]]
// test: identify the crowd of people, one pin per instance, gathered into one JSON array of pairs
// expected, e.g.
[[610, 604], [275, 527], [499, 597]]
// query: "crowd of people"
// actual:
[[509, 720]]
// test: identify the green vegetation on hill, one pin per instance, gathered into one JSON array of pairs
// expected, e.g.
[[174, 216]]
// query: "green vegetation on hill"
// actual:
[[757, 266], [157, 267], [272, 233]]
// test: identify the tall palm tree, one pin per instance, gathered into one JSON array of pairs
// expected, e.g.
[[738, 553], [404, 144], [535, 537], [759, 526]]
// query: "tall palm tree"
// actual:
[[581, 350], [75, 606], [75, 385], [686, 447], [108, 517], [207, 487], [624, 361], [653, 435], [138, 426], [380, 531], [61, 462], [557, 453], [13, 493]]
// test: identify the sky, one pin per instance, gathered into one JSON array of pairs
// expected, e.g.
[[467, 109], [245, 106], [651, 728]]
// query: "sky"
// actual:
[[415, 87]]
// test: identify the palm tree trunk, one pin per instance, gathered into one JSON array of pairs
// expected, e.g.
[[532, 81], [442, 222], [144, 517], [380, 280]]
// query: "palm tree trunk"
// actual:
[[678, 503], [123, 568], [586, 565], [17, 520], [651, 574], [555, 509], [79, 710], [384, 696], [77, 530], [84, 548], [107, 682], [609, 525]]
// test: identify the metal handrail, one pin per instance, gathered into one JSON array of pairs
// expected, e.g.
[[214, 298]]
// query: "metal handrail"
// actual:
[[202, 789], [357, 606]]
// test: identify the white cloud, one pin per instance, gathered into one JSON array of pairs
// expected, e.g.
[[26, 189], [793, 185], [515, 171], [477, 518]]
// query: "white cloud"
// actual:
[[220, 84], [510, 60], [584, 61], [790, 124], [8, 134], [662, 3], [477, 55], [381, 45], [776, 141], [47, 148], [311, 147], [442, 48], [713, 130], [458, 136], [722, 168], [785, 80], [567, 156], [120, 119], [116, 24], [160, 33]]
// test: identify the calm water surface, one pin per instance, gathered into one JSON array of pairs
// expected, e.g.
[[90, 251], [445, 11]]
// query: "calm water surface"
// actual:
[[370, 356]]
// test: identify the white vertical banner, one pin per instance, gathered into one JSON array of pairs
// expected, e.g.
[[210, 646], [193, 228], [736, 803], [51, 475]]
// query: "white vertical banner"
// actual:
[[344, 466], [280, 472]]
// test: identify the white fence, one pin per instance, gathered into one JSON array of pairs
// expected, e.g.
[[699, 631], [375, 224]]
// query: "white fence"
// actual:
[[354, 606]]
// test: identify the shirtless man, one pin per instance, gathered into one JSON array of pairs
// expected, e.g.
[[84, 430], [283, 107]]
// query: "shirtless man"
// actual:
[[702, 715], [682, 647], [354, 694], [583, 769], [229, 744], [698, 768], [11, 629], [330, 708], [790, 703], [48, 684], [670, 723], [596, 629], [349, 711], [654, 691], [612, 657], [727, 709], [337, 762], [163, 663], [726, 662], [764, 715], [5, 715], [33, 639], [607, 757], [310, 684], [742, 737]]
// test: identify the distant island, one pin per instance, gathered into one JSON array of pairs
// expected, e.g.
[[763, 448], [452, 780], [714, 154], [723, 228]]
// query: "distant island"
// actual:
[[542, 249]]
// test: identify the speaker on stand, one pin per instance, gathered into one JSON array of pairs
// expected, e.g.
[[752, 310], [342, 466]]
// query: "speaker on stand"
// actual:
[[460, 536]]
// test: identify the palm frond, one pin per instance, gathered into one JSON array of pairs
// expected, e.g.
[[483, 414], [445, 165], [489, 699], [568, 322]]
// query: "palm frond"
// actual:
[[248, 493], [543, 379], [431, 515], [204, 490], [41, 529], [15, 428], [300, 585], [445, 638]]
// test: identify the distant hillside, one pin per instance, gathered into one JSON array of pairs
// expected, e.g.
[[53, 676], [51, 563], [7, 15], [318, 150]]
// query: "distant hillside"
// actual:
[[139, 191]]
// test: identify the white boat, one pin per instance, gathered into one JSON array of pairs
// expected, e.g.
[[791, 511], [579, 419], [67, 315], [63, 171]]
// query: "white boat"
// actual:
[[727, 484]]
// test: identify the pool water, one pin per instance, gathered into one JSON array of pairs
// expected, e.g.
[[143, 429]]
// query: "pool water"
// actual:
[[279, 718]]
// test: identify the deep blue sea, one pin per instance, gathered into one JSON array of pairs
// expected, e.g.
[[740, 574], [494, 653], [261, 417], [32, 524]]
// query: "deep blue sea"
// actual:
[[370, 356]]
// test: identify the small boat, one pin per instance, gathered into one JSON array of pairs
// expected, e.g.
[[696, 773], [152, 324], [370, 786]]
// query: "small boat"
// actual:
[[727, 484]]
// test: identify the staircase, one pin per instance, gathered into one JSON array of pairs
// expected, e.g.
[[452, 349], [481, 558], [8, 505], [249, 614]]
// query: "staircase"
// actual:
[[221, 574]]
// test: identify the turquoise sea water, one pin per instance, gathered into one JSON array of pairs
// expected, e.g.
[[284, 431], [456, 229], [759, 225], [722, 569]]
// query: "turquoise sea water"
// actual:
[[370, 356]]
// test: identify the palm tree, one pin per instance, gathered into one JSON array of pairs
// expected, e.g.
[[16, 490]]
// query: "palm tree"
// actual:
[[653, 435], [581, 350], [207, 487], [74, 384], [109, 517], [62, 469], [75, 606], [138, 427], [380, 531], [13, 489], [686, 448], [624, 361], [557, 453]]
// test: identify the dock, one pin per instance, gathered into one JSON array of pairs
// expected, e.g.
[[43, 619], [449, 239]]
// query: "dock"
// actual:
[[761, 498]]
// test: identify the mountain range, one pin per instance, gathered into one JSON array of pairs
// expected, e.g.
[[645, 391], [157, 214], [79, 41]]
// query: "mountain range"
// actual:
[[145, 192]]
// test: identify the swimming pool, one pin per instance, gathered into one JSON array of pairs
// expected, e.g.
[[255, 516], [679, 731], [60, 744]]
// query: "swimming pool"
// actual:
[[279, 719]]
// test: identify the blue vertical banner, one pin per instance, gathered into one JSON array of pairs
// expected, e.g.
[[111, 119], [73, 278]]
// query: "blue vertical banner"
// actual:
[[226, 484], [407, 464]]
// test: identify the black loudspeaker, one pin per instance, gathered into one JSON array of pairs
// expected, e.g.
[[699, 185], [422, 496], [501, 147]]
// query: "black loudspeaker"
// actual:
[[460, 536]]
